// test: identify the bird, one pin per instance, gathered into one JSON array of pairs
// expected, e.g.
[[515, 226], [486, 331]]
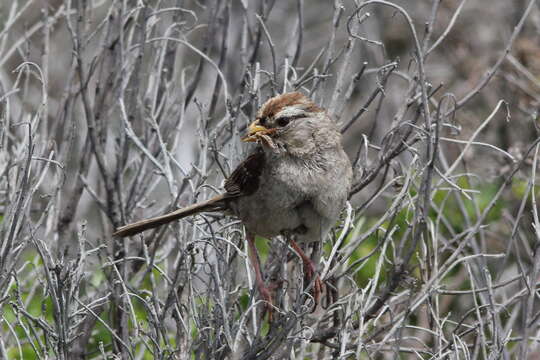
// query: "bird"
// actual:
[[295, 182]]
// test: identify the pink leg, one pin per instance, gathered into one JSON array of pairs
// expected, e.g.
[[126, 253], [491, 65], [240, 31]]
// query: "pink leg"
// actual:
[[261, 286], [309, 271]]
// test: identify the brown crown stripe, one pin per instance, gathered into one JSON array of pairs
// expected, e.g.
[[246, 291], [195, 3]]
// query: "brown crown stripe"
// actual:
[[276, 104]]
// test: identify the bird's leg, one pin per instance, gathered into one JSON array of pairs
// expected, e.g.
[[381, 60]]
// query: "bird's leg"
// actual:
[[261, 286], [309, 272]]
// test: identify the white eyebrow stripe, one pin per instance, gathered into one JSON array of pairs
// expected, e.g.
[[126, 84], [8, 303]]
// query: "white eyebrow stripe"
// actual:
[[290, 111]]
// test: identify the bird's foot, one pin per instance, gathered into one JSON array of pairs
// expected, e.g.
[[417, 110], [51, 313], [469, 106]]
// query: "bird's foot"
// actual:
[[310, 274], [266, 295]]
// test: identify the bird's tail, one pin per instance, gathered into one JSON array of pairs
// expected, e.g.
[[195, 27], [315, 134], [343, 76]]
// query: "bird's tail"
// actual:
[[215, 204]]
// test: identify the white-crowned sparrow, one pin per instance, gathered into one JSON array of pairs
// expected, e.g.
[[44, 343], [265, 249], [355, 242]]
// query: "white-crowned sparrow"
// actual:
[[296, 182]]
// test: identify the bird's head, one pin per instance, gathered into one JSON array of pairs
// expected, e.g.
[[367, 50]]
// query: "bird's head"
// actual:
[[292, 122]]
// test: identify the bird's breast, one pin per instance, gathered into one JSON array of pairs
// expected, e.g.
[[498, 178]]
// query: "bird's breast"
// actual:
[[291, 195]]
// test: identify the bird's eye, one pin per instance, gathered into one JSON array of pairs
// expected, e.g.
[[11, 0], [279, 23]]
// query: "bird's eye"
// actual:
[[282, 121]]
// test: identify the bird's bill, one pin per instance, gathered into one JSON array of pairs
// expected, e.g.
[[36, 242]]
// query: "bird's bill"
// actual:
[[255, 131]]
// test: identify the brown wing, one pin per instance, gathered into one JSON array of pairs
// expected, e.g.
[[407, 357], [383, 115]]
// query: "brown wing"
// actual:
[[245, 178]]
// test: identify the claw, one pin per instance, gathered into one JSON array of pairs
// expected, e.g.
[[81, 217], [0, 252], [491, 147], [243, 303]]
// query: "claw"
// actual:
[[310, 274], [318, 285], [269, 304], [263, 289]]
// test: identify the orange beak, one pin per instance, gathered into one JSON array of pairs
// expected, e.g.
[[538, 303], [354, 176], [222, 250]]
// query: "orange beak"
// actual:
[[255, 129]]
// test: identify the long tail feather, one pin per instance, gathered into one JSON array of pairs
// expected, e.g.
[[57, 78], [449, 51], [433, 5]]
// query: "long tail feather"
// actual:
[[215, 204]]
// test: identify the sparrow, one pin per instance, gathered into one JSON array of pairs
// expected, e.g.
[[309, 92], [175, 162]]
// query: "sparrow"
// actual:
[[295, 182]]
